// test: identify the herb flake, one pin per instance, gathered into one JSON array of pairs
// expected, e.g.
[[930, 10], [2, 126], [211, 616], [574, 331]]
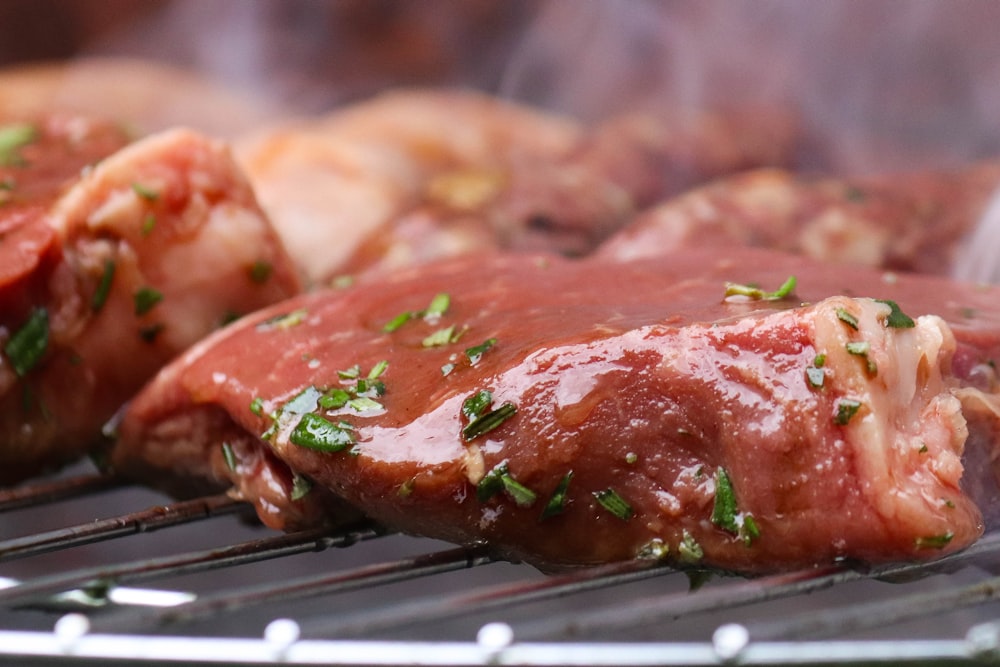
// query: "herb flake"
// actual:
[[614, 503], [897, 319], [145, 299], [27, 345], [103, 286], [757, 294], [557, 502], [489, 421], [318, 433]]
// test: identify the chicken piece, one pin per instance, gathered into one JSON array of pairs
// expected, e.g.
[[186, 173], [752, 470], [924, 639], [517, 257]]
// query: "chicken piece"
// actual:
[[147, 96], [911, 222], [418, 175], [570, 413], [109, 272]]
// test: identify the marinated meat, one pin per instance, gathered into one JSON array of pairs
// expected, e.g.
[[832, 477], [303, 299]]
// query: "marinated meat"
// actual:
[[911, 222], [113, 259], [413, 176], [575, 412], [146, 95]]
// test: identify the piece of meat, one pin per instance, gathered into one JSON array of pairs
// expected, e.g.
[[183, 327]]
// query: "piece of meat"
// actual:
[[113, 259], [412, 176], [626, 398], [912, 222], [145, 95]]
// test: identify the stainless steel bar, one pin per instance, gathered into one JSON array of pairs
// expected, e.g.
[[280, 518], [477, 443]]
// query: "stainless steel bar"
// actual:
[[857, 617], [147, 520], [431, 610], [52, 491], [253, 551], [363, 577]]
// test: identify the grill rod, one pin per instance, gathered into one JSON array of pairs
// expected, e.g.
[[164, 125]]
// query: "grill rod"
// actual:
[[486, 598], [252, 551], [148, 520], [56, 490], [404, 569], [657, 609]]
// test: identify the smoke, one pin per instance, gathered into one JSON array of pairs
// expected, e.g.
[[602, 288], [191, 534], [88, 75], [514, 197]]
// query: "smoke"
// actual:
[[884, 84]]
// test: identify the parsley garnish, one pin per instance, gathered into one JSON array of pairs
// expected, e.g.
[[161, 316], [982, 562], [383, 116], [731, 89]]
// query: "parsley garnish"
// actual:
[[301, 486], [150, 333], [257, 406], [145, 192], [476, 352], [689, 549], [499, 479], [897, 318], [438, 306], [103, 286], [846, 409], [614, 503], [477, 404], [316, 432], [13, 138], [861, 348], [934, 541], [285, 321], [229, 456], [440, 337], [725, 514], [148, 224], [489, 421], [145, 299], [28, 344], [754, 292], [557, 503], [850, 320], [260, 271]]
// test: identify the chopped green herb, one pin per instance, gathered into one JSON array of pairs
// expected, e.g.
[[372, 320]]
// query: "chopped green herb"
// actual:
[[631, 458], [260, 271], [285, 321], [350, 373], [846, 409], [489, 421], [13, 138], [689, 549], [844, 316], [342, 282], [145, 192], [935, 541], [820, 360], [614, 503], [27, 345], [491, 484], [923, 448], [477, 404], [145, 299], [438, 307], [229, 456], [148, 225], [749, 531], [103, 286], [499, 479], [406, 488], [301, 486], [316, 432], [854, 193], [303, 402], [440, 337], [364, 404], [396, 322], [476, 352], [522, 495], [150, 333], [257, 406], [378, 369], [334, 398], [753, 292], [815, 376], [655, 549], [724, 510], [861, 348], [557, 503], [897, 318]]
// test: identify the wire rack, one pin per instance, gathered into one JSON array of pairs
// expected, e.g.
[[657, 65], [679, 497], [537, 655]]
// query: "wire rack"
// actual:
[[96, 572]]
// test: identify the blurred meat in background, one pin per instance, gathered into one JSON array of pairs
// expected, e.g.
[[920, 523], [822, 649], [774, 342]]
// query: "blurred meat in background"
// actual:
[[885, 85]]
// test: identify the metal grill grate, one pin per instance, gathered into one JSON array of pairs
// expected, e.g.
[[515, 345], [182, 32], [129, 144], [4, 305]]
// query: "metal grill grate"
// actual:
[[197, 583]]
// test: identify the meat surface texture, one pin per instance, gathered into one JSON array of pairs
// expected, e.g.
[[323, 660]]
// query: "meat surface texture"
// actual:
[[913, 222], [412, 176], [576, 412], [114, 258]]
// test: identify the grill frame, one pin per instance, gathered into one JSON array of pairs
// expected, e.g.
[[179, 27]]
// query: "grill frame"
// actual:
[[379, 635]]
